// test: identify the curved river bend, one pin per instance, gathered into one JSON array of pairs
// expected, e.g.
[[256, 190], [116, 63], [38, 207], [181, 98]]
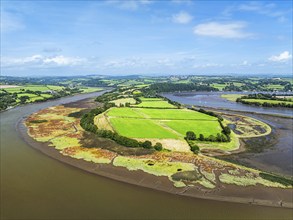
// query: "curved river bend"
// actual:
[[34, 186]]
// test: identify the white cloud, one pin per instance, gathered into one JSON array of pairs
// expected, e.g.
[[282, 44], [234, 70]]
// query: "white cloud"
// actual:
[[207, 65], [182, 18], [223, 30], [39, 60], [282, 57]]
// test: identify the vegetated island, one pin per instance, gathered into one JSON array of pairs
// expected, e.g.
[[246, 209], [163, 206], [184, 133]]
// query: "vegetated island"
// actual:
[[261, 99], [136, 136]]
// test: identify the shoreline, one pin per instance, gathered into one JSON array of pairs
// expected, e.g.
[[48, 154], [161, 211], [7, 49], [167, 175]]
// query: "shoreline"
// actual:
[[142, 179]]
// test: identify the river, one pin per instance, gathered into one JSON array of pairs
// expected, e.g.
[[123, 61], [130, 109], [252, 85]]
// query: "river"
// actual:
[[34, 186], [214, 100]]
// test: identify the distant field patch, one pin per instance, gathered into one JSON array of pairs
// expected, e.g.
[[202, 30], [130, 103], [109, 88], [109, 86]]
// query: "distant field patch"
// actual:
[[261, 101], [28, 87], [154, 103], [218, 86], [8, 86], [123, 101], [90, 89], [57, 88], [231, 97]]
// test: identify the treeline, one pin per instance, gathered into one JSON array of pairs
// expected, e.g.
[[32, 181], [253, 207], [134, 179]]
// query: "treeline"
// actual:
[[87, 123], [173, 87], [220, 118], [224, 136]]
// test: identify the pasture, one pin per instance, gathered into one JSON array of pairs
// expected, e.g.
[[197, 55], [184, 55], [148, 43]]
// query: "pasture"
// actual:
[[141, 128], [231, 97], [154, 103], [261, 101], [123, 101], [171, 124], [198, 127]]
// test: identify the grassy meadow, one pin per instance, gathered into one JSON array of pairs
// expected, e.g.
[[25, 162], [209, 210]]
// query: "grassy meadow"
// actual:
[[154, 103], [231, 97], [261, 101], [161, 123]]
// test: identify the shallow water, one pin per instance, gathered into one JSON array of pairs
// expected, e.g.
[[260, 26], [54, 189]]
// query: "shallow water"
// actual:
[[34, 186]]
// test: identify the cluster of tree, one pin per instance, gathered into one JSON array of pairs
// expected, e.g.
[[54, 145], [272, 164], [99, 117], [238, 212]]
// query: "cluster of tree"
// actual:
[[87, 123], [193, 147], [7, 99], [224, 136], [108, 96], [220, 118], [191, 136], [173, 87], [232, 87]]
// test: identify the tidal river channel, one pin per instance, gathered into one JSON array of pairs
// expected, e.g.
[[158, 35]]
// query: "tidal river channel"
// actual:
[[35, 186]]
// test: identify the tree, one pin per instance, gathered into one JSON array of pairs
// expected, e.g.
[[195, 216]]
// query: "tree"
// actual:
[[227, 130], [147, 144], [190, 135], [219, 137], [201, 137], [194, 149], [212, 138], [158, 146], [23, 99]]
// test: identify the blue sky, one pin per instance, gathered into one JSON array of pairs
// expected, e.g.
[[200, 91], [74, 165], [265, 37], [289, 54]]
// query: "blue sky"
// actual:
[[145, 37]]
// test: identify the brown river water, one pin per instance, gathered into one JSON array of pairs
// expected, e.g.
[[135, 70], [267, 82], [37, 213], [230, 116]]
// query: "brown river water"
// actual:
[[34, 186]]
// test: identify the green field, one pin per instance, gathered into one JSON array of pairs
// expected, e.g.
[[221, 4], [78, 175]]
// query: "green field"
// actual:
[[161, 123], [117, 102], [149, 99], [124, 112], [140, 128], [231, 97], [28, 87], [57, 88], [172, 114], [268, 101], [218, 86], [272, 86], [198, 127], [90, 89], [154, 103]]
